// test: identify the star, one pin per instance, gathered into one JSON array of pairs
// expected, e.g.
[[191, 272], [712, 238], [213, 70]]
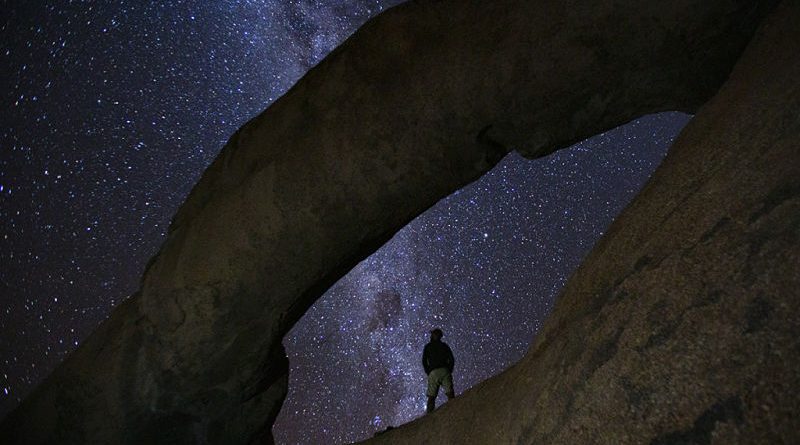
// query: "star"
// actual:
[[113, 113]]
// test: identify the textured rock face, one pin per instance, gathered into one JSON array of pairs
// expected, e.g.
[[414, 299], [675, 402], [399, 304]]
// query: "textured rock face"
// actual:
[[681, 326], [421, 101]]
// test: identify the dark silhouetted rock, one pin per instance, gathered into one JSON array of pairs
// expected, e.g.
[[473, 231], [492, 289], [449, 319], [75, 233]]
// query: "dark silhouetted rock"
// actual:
[[681, 327], [675, 329]]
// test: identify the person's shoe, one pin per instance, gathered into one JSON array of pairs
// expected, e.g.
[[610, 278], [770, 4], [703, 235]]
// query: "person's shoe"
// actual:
[[431, 404]]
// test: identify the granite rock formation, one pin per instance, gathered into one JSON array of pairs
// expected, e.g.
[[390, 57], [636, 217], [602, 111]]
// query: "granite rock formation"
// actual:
[[422, 100], [682, 325]]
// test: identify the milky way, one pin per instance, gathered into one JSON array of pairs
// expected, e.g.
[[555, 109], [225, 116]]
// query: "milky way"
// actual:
[[485, 264], [111, 113]]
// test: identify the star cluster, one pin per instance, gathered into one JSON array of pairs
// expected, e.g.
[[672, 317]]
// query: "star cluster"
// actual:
[[112, 111], [484, 264]]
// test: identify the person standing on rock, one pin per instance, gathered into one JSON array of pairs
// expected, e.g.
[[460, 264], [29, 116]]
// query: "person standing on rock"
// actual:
[[437, 359]]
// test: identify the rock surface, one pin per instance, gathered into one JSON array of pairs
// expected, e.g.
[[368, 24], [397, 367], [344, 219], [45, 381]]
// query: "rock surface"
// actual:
[[419, 102], [681, 327]]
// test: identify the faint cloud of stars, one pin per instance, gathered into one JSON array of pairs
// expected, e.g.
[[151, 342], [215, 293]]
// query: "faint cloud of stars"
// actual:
[[112, 112]]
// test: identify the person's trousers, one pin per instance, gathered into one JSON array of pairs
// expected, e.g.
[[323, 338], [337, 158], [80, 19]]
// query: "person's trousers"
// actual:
[[439, 377]]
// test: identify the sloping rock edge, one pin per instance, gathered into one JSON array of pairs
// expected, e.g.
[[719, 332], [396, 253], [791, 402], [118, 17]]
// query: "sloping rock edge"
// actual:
[[421, 101], [682, 324]]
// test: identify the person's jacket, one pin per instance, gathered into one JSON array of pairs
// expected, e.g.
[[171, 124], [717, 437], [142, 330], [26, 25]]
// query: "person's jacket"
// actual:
[[437, 355]]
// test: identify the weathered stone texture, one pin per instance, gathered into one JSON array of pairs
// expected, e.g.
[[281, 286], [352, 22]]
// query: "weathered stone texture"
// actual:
[[418, 103], [682, 325]]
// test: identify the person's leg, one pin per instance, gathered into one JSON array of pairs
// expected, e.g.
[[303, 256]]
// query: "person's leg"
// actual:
[[447, 385], [434, 381]]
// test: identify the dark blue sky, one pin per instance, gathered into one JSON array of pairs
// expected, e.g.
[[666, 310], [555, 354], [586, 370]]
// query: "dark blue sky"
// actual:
[[485, 264], [112, 111]]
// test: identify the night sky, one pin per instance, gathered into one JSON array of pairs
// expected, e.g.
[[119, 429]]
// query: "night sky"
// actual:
[[110, 114]]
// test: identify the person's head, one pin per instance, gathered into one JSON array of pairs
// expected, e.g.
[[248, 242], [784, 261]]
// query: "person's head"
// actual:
[[436, 334]]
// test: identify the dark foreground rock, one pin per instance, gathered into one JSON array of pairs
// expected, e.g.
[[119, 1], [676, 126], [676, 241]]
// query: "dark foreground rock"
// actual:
[[674, 330], [682, 325]]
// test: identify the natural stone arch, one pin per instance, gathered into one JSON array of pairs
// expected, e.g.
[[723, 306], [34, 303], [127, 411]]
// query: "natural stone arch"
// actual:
[[419, 102], [681, 324]]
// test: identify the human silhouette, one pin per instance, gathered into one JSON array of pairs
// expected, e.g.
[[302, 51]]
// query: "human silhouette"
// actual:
[[437, 359]]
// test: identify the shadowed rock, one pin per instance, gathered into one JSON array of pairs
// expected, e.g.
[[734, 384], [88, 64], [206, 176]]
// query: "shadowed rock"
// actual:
[[681, 326], [421, 101]]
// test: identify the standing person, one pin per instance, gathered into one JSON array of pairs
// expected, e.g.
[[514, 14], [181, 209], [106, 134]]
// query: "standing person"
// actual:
[[437, 359]]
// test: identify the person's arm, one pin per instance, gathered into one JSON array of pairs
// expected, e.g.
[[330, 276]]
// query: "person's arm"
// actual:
[[425, 360]]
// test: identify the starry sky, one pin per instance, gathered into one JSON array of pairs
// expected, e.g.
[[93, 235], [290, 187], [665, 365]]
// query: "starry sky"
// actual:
[[112, 110]]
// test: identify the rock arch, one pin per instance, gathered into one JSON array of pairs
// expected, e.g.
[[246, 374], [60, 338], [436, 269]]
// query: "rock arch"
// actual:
[[419, 102]]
